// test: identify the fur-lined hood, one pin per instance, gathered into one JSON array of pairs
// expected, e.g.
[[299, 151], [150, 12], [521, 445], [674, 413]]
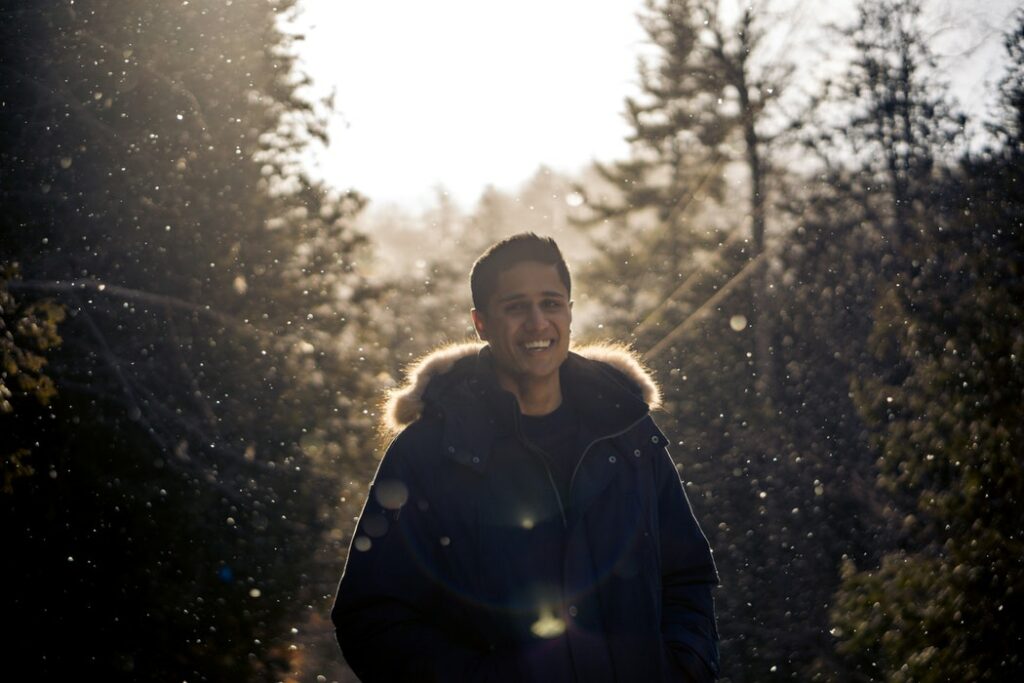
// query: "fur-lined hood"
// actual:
[[405, 404]]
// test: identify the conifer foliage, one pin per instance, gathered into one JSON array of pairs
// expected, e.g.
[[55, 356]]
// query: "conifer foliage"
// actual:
[[857, 507], [947, 417], [178, 485]]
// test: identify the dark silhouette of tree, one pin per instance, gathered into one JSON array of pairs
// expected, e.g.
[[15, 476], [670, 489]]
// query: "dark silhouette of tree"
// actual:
[[947, 423], [27, 333], [209, 394]]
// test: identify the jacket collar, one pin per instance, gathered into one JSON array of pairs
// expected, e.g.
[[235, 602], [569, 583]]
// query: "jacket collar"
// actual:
[[607, 383], [437, 370]]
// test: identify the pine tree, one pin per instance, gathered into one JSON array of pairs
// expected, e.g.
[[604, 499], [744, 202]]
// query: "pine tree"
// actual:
[[895, 124], [151, 186], [707, 109], [948, 424]]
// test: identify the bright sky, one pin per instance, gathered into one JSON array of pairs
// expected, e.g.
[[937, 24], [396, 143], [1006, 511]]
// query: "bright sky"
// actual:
[[466, 93]]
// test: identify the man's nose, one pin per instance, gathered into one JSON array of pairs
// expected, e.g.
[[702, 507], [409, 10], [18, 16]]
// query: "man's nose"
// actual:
[[536, 320]]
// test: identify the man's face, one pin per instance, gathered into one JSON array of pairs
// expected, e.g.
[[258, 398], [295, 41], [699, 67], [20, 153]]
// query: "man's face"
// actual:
[[526, 322]]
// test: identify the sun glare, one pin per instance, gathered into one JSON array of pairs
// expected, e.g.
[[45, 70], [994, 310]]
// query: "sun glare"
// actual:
[[464, 93]]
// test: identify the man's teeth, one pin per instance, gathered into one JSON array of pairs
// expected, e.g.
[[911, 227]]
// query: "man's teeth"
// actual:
[[538, 344]]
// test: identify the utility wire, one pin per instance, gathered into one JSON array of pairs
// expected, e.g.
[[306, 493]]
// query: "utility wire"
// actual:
[[653, 316], [684, 326], [96, 287]]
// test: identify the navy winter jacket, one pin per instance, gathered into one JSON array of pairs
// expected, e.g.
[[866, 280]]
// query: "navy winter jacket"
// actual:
[[444, 579]]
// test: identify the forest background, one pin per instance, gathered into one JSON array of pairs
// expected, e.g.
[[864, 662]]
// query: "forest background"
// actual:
[[195, 337]]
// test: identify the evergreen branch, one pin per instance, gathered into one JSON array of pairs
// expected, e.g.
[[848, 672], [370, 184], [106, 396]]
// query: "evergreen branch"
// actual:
[[174, 85], [62, 97]]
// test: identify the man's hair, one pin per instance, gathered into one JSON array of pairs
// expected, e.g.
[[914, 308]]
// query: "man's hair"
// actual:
[[526, 246]]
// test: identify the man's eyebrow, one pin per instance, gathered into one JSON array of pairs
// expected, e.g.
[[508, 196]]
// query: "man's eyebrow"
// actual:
[[512, 297]]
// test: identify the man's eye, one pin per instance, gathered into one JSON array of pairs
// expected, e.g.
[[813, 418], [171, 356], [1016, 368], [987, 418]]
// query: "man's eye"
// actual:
[[552, 303]]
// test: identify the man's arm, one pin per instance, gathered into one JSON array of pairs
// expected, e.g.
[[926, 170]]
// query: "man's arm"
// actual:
[[688, 575], [383, 609]]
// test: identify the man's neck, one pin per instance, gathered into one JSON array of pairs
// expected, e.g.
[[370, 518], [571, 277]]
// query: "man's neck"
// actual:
[[535, 397]]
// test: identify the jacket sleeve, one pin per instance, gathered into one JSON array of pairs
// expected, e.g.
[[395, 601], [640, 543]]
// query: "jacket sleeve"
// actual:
[[389, 591], [688, 576]]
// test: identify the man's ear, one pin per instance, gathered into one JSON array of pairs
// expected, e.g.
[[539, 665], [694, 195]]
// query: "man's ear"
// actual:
[[478, 323]]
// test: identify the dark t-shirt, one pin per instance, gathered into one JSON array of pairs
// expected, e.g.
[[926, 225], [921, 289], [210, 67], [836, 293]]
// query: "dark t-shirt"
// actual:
[[556, 435]]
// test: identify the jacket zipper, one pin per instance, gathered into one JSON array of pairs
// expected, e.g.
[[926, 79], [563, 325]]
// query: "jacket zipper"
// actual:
[[547, 470], [558, 496], [572, 479]]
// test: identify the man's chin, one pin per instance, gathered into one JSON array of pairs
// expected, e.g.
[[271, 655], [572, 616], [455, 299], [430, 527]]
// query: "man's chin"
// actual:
[[543, 365]]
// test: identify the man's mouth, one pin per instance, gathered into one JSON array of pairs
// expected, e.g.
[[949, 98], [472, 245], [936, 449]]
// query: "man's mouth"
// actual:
[[538, 345]]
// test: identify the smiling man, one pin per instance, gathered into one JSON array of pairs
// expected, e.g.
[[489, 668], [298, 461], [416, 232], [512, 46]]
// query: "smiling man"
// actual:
[[527, 523], [524, 314]]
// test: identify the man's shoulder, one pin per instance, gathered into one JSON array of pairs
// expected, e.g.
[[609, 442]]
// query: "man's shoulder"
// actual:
[[620, 364], [426, 380], [419, 439]]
